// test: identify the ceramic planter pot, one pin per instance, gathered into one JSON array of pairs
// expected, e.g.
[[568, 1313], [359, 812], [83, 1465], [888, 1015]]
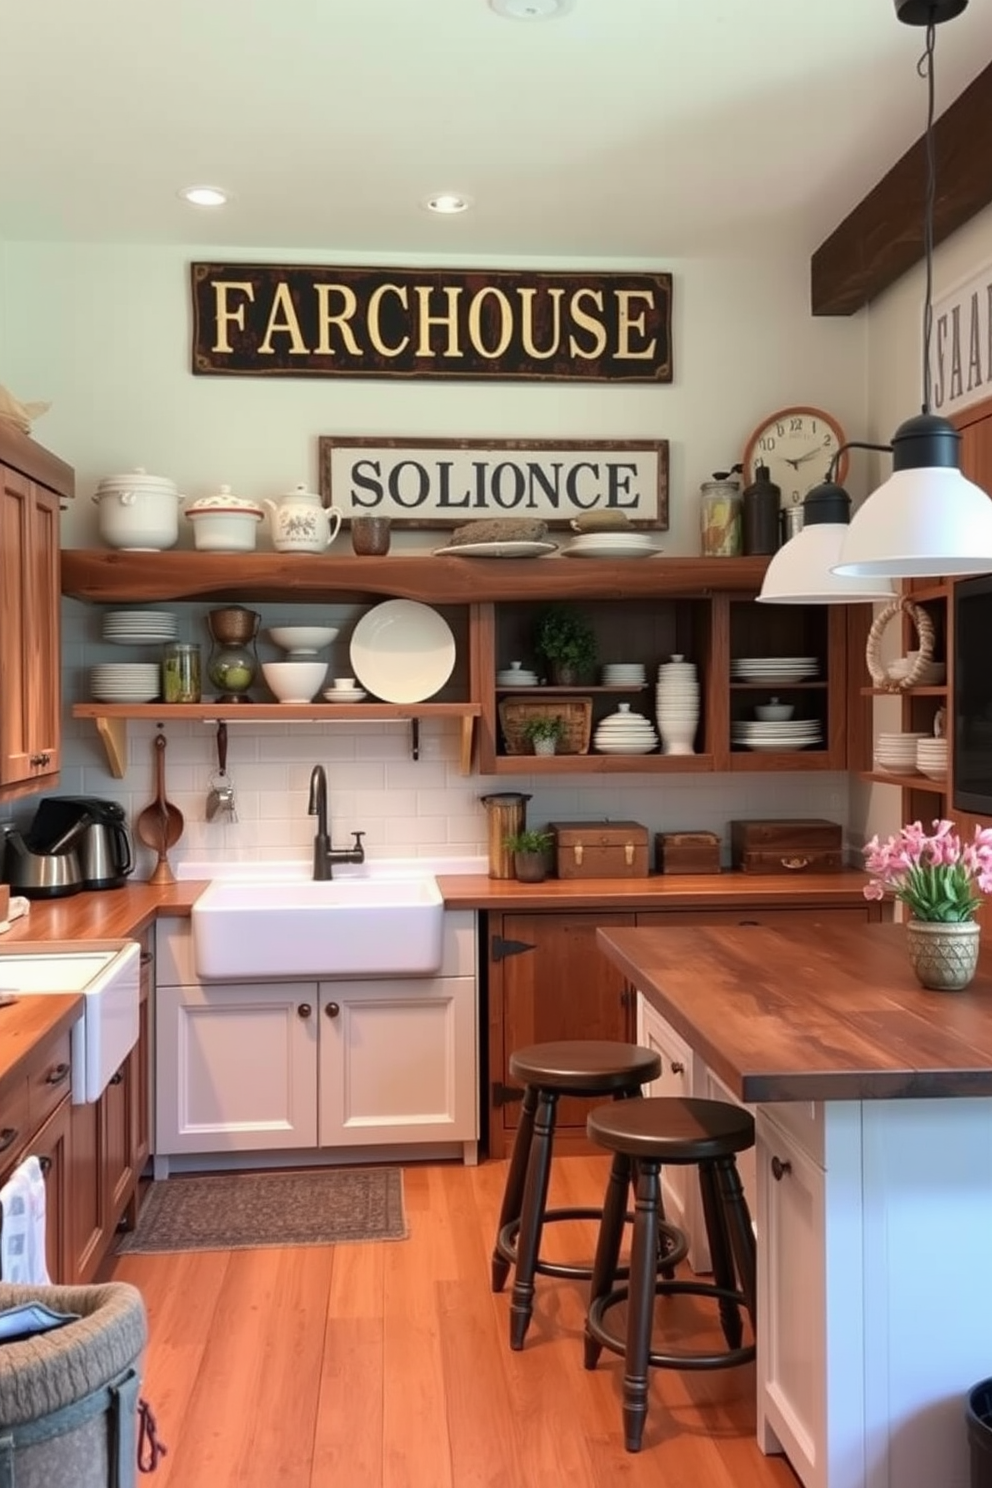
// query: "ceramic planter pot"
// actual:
[[530, 867], [944, 957]]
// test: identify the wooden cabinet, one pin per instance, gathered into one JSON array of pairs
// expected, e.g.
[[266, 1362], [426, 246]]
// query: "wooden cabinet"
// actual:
[[34, 1120], [548, 980], [32, 485]]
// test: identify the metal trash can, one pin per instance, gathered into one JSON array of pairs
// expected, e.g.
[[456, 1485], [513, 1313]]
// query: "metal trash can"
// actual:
[[69, 1397], [978, 1415]]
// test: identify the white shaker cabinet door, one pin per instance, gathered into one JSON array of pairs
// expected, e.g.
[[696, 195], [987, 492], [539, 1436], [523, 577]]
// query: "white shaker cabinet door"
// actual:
[[398, 1061], [679, 1185], [237, 1067]]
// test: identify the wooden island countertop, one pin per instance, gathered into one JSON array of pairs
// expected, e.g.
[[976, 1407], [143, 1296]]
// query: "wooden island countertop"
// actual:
[[783, 1015]]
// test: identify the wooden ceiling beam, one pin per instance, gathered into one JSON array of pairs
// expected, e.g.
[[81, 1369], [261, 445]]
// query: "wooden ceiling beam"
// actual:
[[883, 237]]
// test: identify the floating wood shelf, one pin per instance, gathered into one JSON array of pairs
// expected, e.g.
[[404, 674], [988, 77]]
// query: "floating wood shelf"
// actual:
[[907, 782], [111, 719]]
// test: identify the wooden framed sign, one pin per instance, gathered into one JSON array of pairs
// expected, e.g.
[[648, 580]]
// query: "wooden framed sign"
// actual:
[[445, 482], [509, 325]]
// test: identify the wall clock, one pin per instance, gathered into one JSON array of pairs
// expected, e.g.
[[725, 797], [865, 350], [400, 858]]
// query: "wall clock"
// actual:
[[797, 445]]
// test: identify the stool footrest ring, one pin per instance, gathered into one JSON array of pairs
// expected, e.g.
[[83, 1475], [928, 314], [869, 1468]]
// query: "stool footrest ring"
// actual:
[[672, 1242], [725, 1359]]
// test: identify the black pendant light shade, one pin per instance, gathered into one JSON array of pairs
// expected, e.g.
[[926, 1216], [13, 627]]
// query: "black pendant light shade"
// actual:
[[923, 12], [926, 440]]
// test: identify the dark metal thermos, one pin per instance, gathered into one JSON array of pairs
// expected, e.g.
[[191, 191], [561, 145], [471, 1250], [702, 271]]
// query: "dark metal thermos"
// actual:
[[762, 502]]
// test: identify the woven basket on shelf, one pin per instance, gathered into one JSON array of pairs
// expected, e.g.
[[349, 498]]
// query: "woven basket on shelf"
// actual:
[[574, 712], [923, 626]]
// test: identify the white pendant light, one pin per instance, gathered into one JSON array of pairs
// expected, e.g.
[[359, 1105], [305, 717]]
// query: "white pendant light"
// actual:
[[926, 520], [801, 570]]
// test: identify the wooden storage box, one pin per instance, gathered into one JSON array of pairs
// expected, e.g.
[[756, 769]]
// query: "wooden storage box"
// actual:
[[687, 852], [575, 713], [600, 849], [787, 846]]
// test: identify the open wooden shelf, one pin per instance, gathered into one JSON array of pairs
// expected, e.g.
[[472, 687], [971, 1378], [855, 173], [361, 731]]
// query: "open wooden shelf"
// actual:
[[907, 782]]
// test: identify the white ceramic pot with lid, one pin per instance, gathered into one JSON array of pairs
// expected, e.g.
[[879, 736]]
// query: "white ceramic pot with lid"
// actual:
[[301, 524], [224, 523], [138, 512]]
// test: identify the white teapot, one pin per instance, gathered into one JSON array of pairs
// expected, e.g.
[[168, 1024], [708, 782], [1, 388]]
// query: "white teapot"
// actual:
[[301, 524]]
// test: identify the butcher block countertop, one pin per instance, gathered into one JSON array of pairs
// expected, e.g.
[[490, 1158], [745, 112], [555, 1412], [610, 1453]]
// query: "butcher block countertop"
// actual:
[[31, 1021], [110, 914], [658, 891], [781, 1015]]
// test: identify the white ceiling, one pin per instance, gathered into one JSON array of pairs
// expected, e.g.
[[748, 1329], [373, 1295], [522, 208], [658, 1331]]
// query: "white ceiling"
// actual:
[[642, 129]]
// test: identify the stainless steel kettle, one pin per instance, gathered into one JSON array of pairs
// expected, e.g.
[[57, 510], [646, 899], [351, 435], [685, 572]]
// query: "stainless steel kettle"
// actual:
[[97, 828], [42, 875]]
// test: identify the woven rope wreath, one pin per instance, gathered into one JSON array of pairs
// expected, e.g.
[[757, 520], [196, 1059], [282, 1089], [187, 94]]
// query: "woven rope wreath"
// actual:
[[925, 634]]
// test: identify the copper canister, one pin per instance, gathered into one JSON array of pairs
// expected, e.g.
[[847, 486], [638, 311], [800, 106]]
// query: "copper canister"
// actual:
[[507, 816]]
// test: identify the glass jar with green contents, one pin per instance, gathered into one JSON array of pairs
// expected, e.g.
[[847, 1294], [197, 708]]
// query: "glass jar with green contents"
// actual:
[[181, 672]]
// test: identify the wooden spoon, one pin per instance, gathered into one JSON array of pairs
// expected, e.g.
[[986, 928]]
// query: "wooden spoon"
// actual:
[[160, 825]]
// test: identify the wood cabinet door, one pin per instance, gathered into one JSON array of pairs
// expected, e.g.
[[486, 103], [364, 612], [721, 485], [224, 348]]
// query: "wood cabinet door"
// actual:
[[548, 980], [118, 1145], [88, 1201], [51, 1147], [29, 630]]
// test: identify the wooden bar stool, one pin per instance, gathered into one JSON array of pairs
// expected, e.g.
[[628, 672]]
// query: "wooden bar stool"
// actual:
[[572, 1067], [645, 1135]]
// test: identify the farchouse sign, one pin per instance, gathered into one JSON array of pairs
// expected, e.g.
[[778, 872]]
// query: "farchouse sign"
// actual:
[[263, 320]]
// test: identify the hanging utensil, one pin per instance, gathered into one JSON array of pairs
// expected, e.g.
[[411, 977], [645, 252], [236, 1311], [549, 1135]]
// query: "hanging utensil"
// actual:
[[220, 797], [160, 825]]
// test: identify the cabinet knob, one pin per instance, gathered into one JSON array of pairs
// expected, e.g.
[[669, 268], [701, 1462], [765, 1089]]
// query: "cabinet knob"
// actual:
[[39, 759], [304, 1010], [45, 1164], [332, 1009], [780, 1168], [677, 1067], [8, 1136], [57, 1074], [117, 1078]]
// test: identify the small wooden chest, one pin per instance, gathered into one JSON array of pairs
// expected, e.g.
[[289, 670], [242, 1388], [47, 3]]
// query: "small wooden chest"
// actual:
[[600, 849], [687, 852], [807, 845]]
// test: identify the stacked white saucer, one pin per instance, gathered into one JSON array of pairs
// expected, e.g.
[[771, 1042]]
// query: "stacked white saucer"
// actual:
[[624, 674], [772, 669], [624, 732], [516, 675], [931, 758], [896, 753], [126, 682], [781, 735], [677, 705], [139, 627]]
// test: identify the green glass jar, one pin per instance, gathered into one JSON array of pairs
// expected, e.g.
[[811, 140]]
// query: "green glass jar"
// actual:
[[181, 672]]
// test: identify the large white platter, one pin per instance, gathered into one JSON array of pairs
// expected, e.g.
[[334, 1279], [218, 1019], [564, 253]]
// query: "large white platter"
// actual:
[[507, 549], [402, 652]]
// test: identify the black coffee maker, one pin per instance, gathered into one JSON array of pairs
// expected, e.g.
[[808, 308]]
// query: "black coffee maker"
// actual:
[[99, 831]]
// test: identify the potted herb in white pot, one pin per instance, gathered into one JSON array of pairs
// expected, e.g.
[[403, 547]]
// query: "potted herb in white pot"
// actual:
[[545, 731]]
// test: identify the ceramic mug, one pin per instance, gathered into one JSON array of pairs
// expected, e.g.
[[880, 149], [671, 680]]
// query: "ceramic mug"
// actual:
[[370, 536]]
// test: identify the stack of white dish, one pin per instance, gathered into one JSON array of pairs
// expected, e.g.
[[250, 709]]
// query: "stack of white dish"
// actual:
[[345, 690], [777, 735], [516, 675], [301, 641], [294, 681], [126, 682], [624, 732], [677, 706], [773, 669], [933, 674], [931, 758], [896, 753], [139, 627], [611, 545], [624, 674]]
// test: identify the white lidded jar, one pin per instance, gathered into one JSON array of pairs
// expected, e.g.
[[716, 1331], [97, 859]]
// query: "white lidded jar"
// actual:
[[224, 523], [138, 512]]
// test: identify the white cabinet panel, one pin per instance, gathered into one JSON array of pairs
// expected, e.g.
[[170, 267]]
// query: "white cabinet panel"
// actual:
[[236, 1067], [398, 1061], [679, 1185]]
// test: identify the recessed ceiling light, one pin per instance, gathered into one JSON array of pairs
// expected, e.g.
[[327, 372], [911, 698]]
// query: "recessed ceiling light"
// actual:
[[447, 203], [204, 196], [530, 10]]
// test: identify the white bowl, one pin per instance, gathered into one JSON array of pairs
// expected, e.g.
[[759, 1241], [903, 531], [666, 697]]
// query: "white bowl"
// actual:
[[294, 681], [303, 640], [774, 712]]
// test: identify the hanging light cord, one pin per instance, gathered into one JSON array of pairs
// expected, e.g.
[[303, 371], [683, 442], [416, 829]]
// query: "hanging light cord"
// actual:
[[925, 69]]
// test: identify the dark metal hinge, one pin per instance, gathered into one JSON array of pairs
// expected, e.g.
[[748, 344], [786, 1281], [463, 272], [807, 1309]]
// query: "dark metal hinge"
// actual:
[[505, 1095], [499, 948]]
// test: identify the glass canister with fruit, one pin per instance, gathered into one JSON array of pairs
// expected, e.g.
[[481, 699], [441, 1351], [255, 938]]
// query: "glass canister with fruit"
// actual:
[[233, 662], [720, 515]]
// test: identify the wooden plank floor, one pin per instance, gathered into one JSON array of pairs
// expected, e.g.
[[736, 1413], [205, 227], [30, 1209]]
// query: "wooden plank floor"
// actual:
[[387, 1365]]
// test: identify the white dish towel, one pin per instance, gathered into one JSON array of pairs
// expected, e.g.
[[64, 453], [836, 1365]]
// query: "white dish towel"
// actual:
[[22, 1239]]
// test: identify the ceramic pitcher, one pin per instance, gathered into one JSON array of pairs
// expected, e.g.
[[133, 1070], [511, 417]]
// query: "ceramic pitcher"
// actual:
[[300, 524]]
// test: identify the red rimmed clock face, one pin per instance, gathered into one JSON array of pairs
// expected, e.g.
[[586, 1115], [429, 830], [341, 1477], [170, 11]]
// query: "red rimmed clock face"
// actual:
[[797, 445]]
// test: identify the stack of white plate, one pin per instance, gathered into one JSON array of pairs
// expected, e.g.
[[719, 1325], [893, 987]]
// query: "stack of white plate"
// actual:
[[781, 735], [931, 758], [138, 682], [773, 669], [611, 545], [516, 675], [624, 674], [139, 627], [896, 753], [345, 694], [624, 732], [677, 705]]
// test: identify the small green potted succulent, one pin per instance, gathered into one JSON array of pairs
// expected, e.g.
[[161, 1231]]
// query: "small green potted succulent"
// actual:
[[530, 854], [545, 731], [567, 641]]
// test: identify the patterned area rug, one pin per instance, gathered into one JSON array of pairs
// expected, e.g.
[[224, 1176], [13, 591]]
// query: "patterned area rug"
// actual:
[[249, 1211]]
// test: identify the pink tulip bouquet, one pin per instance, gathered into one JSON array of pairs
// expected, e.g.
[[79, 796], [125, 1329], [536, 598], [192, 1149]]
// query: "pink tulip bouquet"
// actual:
[[939, 879]]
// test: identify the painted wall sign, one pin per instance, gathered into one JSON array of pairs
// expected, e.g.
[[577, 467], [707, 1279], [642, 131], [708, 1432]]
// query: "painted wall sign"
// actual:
[[445, 482], [961, 344], [511, 325]]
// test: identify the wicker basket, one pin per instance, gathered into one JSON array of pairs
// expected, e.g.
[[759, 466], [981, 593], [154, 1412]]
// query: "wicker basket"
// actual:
[[575, 713]]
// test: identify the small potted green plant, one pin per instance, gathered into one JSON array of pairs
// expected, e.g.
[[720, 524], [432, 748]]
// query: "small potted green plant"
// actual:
[[544, 731], [565, 638], [530, 854]]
